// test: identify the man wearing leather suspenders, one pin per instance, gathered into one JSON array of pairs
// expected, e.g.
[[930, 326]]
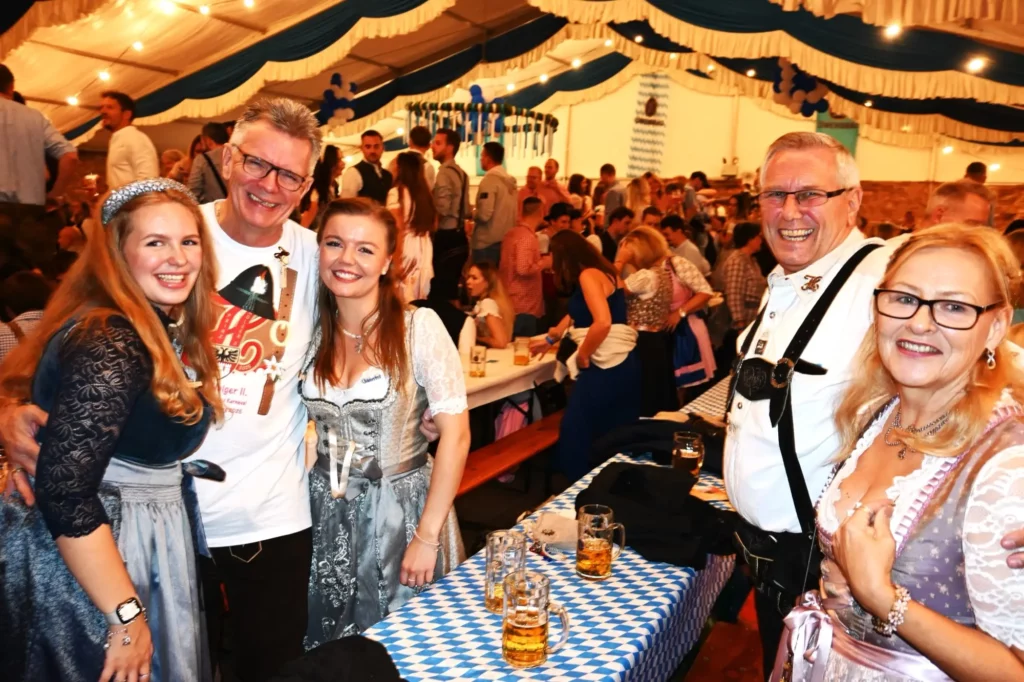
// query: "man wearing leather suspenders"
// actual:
[[794, 363]]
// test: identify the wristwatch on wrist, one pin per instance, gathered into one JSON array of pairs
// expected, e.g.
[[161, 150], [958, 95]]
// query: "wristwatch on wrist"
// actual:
[[126, 612]]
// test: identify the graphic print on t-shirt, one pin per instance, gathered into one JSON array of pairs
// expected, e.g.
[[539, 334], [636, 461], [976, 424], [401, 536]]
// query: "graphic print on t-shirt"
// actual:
[[250, 335]]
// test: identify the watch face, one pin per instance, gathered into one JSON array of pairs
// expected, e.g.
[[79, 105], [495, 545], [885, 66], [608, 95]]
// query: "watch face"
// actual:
[[129, 610]]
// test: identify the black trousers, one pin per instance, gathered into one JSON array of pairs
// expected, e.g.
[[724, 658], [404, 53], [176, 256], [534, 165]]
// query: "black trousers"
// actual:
[[266, 584], [451, 251], [783, 566]]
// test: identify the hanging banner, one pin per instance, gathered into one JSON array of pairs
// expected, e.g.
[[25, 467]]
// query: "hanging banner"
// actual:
[[843, 129], [647, 144]]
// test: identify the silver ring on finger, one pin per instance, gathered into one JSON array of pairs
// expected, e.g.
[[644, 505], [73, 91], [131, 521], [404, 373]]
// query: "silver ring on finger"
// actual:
[[18, 469]]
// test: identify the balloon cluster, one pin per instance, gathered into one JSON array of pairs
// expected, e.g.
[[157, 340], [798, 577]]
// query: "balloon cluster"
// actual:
[[801, 92], [336, 109]]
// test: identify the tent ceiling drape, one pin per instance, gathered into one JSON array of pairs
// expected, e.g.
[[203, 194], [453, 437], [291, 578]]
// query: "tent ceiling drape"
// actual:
[[197, 66]]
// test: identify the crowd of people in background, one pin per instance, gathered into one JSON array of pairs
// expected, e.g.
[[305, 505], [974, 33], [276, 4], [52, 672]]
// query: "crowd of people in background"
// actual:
[[643, 284]]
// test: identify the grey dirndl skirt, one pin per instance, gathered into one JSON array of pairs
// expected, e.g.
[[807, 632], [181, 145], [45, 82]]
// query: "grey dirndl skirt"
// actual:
[[51, 629]]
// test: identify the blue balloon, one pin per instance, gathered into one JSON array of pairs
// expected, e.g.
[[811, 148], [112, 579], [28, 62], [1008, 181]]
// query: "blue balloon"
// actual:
[[822, 105], [807, 109], [355, 88], [336, 79]]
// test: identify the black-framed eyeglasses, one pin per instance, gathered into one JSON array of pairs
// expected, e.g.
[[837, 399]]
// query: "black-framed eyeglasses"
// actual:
[[260, 168], [949, 314], [807, 198]]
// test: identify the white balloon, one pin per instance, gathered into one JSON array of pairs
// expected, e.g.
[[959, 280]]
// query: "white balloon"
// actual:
[[813, 96], [799, 96], [781, 98], [795, 107]]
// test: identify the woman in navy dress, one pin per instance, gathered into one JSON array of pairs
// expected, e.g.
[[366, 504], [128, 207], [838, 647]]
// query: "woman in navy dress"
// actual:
[[100, 576], [605, 366]]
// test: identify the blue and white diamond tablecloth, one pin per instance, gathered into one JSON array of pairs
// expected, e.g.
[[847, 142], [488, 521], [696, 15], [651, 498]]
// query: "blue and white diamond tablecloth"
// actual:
[[636, 625]]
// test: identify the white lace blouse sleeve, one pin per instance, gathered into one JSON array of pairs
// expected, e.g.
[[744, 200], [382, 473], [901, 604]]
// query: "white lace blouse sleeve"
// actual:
[[436, 364], [642, 283], [995, 507]]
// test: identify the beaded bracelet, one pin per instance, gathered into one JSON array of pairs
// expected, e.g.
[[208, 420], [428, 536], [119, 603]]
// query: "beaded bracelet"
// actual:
[[896, 614]]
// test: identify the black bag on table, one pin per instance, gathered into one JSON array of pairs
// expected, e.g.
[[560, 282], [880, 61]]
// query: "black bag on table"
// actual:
[[655, 436]]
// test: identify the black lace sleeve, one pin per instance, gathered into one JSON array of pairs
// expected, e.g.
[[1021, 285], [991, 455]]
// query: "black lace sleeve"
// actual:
[[102, 373]]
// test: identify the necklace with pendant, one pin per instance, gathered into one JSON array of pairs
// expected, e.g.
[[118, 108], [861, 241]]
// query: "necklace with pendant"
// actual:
[[928, 430], [357, 337]]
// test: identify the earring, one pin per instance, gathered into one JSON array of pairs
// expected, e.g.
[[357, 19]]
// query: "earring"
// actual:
[[990, 358]]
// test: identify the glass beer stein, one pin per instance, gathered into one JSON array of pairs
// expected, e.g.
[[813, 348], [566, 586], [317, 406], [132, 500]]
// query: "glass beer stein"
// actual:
[[506, 553], [524, 634], [521, 350], [595, 550], [478, 362], [687, 452]]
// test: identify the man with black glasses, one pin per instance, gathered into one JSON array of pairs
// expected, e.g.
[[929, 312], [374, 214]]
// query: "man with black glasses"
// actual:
[[795, 360]]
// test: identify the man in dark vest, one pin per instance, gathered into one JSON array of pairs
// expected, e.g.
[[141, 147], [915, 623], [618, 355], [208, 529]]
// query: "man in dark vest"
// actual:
[[368, 178]]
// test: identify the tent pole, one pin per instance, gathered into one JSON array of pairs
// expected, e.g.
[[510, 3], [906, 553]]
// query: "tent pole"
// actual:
[[568, 138]]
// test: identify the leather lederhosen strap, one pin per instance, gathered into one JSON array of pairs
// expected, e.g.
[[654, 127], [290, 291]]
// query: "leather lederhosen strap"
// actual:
[[780, 377]]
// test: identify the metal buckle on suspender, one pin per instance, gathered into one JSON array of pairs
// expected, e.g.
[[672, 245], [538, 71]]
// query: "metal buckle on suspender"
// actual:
[[788, 367]]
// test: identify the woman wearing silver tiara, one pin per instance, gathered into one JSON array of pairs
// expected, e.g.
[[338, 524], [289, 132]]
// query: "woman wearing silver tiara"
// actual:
[[383, 523], [100, 576]]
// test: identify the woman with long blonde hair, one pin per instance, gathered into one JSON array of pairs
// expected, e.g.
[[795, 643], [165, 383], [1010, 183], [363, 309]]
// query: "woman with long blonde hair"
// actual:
[[492, 308], [915, 584], [638, 195], [110, 538], [385, 527]]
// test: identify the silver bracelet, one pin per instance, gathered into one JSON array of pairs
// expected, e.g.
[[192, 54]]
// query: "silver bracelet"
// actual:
[[896, 614], [435, 545]]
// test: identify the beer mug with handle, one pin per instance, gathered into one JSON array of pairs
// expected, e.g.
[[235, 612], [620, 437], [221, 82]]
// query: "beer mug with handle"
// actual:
[[595, 550], [524, 634], [506, 553]]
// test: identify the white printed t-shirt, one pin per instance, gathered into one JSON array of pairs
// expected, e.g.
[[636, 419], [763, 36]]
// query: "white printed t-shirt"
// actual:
[[265, 492]]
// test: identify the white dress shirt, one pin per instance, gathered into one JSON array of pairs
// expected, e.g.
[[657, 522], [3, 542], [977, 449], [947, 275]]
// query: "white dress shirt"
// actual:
[[754, 474], [130, 157]]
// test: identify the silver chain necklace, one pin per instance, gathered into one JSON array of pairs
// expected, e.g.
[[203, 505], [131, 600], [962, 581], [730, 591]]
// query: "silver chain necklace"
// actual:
[[928, 430], [357, 337]]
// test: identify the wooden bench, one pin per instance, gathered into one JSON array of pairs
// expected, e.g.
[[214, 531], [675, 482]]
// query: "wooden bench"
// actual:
[[505, 453]]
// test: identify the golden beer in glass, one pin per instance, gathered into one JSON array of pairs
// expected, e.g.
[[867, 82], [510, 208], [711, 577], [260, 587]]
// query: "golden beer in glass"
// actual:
[[527, 609], [521, 351], [687, 452], [505, 553], [478, 362], [595, 550]]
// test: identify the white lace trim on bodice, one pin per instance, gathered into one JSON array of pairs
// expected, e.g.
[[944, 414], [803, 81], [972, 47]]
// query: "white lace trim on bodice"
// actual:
[[435, 363], [995, 507], [904, 491]]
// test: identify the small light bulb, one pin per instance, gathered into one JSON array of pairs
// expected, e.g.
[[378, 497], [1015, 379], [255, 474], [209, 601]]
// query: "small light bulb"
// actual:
[[73, 101], [976, 64], [711, 67], [400, 130], [510, 87], [248, 3], [608, 42], [947, 149], [577, 63], [204, 9], [543, 78], [751, 72], [869, 104], [167, 6], [893, 30], [137, 46], [906, 129], [639, 39], [673, 56], [104, 75], [348, 160], [994, 167]]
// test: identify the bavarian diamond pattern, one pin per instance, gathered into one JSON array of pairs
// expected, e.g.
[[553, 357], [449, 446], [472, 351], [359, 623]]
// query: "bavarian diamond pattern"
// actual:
[[636, 625]]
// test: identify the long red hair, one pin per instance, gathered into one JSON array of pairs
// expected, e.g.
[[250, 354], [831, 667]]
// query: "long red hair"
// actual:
[[385, 331], [100, 284]]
